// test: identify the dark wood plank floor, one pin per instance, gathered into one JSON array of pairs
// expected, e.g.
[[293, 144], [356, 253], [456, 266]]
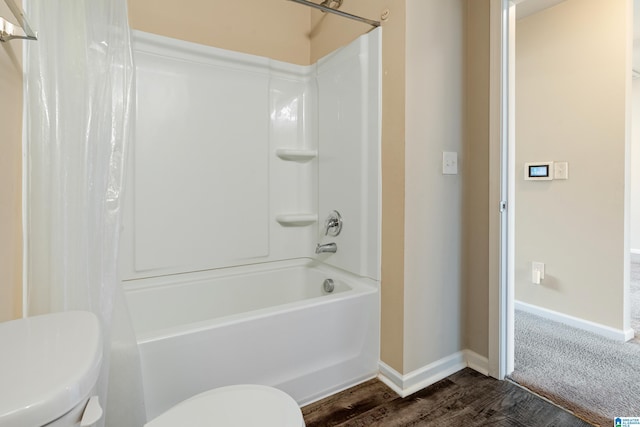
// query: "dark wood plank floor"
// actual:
[[465, 398]]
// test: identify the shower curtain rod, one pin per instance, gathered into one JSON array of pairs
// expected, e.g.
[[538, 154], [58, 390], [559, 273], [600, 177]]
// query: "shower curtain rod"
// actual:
[[7, 29], [338, 12]]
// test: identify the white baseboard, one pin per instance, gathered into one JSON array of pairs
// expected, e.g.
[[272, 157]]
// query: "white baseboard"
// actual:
[[414, 381], [476, 362], [391, 378], [576, 322], [404, 385]]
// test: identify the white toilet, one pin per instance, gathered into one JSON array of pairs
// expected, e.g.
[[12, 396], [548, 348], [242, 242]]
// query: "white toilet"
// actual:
[[49, 366], [234, 406]]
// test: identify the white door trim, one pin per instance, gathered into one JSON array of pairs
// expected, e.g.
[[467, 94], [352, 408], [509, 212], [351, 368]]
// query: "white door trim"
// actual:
[[500, 168]]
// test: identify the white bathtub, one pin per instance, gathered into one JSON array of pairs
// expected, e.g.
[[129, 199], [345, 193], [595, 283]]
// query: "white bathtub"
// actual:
[[266, 324]]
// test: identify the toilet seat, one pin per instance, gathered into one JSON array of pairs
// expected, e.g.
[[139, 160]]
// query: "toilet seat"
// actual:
[[234, 406]]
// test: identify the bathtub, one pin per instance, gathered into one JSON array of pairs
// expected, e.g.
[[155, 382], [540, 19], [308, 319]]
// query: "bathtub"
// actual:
[[270, 324]]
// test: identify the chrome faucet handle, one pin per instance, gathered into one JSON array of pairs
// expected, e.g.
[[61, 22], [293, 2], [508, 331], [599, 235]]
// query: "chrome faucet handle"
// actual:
[[333, 224]]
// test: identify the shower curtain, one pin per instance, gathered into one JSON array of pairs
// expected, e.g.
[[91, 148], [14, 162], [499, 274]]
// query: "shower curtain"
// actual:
[[79, 78]]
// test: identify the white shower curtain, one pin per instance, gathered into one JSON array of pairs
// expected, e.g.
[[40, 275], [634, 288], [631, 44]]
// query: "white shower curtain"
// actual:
[[79, 77]]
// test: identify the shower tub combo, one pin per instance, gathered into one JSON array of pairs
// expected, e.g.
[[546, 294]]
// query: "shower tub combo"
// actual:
[[236, 161], [204, 332]]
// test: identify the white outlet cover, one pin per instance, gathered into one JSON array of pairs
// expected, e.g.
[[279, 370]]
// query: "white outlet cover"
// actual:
[[449, 163]]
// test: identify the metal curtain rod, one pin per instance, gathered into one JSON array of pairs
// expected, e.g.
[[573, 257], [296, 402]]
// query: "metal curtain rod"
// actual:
[[7, 29], [338, 12]]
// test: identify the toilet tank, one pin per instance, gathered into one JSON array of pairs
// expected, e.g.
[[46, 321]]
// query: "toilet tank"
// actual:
[[49, 367]]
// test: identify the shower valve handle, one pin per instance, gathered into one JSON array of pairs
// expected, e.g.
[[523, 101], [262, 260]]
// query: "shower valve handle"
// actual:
[[333, 224]]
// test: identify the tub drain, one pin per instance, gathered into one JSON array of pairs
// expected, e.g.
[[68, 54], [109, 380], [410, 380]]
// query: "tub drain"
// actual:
[[328, 285]]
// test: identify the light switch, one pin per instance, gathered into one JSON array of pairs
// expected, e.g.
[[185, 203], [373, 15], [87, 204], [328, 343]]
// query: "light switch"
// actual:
[[537, 272], [449, 163], [561, 170]]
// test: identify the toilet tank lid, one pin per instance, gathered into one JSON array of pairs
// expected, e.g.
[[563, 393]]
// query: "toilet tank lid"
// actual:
[[48, 364]]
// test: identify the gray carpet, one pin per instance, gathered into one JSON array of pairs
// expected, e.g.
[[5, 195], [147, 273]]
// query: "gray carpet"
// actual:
[[596, 378]]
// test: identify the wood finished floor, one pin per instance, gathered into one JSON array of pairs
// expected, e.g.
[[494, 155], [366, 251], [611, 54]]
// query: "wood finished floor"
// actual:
[[465, 398]]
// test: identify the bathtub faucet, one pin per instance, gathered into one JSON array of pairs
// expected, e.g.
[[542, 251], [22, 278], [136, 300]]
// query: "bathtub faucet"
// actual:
[[329, 247]]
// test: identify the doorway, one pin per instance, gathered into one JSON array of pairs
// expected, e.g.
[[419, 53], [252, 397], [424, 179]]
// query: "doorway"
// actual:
[[555, 222]]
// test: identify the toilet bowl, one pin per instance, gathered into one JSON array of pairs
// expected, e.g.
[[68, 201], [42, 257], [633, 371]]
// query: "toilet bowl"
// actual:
[[246, 405], [50, 365]]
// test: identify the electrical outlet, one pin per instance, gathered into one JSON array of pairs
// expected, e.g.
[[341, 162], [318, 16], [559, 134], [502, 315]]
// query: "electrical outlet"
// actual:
[[449, 163]]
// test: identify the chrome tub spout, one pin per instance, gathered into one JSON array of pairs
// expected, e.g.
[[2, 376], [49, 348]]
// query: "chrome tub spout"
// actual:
[[329, 247]]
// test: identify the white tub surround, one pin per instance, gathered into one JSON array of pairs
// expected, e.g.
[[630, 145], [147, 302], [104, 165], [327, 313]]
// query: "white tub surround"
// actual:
[[207, 180], [237, 161], [201, 331]]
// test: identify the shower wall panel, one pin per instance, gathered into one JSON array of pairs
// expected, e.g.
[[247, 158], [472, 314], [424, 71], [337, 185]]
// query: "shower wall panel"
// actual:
[[205, 181], [201, 157], [349, 140]]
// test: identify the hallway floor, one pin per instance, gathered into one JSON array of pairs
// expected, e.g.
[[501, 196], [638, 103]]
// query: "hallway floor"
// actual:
[[465, 398], [593, 376]]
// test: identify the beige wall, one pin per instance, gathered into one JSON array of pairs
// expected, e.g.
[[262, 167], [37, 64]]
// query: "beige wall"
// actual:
[[393, 185], [476, 178], [570, 87], [10, 177], [276, 29], [433, 202], [329, 32]]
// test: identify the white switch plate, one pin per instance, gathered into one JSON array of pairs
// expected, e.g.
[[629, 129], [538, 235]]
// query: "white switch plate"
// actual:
[[449, 163], [561, 170], [537, 266]]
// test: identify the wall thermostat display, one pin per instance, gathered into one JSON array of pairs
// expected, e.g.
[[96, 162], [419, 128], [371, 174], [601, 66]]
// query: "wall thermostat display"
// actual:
[[538, 171]]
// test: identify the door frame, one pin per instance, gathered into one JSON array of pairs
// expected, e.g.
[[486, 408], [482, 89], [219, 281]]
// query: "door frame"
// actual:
[[501, 193]]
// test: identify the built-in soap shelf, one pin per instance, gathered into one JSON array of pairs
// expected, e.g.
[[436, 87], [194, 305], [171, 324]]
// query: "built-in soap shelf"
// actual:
[[296, 155], [297, 219]]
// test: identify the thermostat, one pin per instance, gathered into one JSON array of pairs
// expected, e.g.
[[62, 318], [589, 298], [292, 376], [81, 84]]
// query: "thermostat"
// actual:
[[538, 171]]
